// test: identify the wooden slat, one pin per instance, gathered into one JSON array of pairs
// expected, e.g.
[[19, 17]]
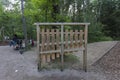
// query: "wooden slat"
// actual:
[[53, 39], [76, 38], [53, 45], [81, 38], [57, 41], [53, 56], [57, 38], [43, 57], [66, 39], [57, 55], [48, 57], [71, 38], [48, 40], [43, 40], [55, 33], [49, 47], [44, 47], [66, 50], [69, 42]]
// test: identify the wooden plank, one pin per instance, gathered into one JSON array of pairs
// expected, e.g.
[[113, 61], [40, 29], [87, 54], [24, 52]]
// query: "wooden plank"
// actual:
[[66, 39], [48, 46], [48, 39], [43, 47], [53, 45], [70, 24], [81, 38], [66, 50], [55, 33], [71, 39], [53, 56], [53, 39], [57, 41], [43, 40], [48, 57], [43, 57], [76, 38], [57, 55]]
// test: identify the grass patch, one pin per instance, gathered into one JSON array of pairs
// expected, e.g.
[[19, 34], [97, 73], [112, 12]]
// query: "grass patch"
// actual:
[[69, 61]]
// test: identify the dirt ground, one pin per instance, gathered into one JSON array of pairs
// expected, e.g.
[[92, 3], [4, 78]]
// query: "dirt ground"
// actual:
[[110, 63], [14, 66]]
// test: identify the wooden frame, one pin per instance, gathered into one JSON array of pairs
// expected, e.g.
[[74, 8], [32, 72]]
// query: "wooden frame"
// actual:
[[57, 46]]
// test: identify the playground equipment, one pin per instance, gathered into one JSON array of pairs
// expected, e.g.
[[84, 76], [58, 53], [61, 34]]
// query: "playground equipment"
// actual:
[[53, 43]]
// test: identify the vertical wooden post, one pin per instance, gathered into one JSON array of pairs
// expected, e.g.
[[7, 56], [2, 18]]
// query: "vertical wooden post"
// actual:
[[38, 47], [85, 50], [62, 47]]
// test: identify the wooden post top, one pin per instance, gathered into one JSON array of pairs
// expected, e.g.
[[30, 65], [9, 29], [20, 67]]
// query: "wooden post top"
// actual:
[[59, 24]]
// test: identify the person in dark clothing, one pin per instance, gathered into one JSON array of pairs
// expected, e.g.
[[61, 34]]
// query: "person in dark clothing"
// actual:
[[14, 41]]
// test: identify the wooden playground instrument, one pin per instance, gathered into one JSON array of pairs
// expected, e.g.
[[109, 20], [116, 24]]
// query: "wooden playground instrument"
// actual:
[[54, 43]]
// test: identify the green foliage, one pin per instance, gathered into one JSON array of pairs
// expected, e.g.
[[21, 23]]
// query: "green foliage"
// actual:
[[96, 34], [110, 18], [103, 16]]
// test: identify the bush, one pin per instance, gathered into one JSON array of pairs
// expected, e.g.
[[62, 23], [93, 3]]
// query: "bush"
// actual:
[[98, 36], [95, 33]]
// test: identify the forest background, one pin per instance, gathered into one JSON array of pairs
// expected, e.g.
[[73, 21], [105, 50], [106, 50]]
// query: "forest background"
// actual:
[[103, 16]]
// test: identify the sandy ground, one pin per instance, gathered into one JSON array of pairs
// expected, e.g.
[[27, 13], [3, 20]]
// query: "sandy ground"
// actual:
[[14, 66], [110, 63], [96, 51]]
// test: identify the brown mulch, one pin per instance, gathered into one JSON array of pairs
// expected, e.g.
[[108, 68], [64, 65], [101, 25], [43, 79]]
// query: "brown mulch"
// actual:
[[109, 64], [4, 43]]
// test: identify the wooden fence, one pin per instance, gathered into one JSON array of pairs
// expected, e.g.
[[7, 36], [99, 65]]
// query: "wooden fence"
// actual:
[[53, 43]]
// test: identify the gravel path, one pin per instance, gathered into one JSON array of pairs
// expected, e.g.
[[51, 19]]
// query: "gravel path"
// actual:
[[14, 66], [110, 63], [95, 51]]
